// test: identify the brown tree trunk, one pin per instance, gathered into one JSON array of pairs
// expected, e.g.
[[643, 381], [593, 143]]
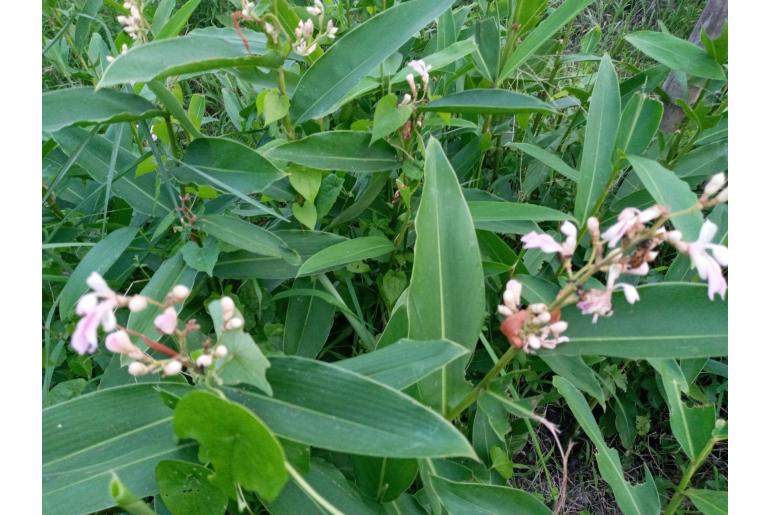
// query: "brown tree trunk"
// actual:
[[712, 19]]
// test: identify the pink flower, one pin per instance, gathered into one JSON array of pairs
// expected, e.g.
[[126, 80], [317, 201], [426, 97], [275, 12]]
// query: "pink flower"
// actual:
[[599, 302], [166, 321], [511, 298], [709, 265], [96, 308], [546, 243], [629, 220], [422, 70], [412, 85], [120, 342]]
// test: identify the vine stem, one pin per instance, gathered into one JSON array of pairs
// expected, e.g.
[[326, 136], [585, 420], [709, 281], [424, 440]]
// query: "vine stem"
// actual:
[[695, 464]]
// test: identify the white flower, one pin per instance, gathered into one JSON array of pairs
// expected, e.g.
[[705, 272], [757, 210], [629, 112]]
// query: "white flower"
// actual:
[[120, 343], [599, 302], [180, 293], [422, 70], [227, 306], [204, 360], [137, 303], [172, 367], [220, 351], [715, 184], [233, 324], [511, 298], [138, 369], [629, 221], [709, 265], [412, 85], [331, 30], [317, 8], [546, 243]]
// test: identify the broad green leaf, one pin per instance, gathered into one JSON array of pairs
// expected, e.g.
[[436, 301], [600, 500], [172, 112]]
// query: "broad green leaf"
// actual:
[[347, 151], [599, 145], [226, 165], [245, 362], [710, 502], [343, 253], [177, 21], [275, 106], [240, 447], [389, 117], [99, 259], [199, 51], [578, 373], [306, 214], [487, 215], [487, 59], [446, 294], [404, 362], [548, 159], [185, 488], [145, 194], [488, 101], [703, 161], [201, 258], [625, 420], [638, 124], [672, 192], [641, 499], [306, 182], [328, 483], [325, 406], [677, 54], [383, 479], [84, 106], [245, 265], [308, 323], [672, 320], [247, 236], [126, 430], [473, 498], [171, 272], [162, 14], [542, 33], [691, 426], [358, 53]]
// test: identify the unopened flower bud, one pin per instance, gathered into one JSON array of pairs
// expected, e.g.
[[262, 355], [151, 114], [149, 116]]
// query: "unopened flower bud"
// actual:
[[233, 324], [166, 321], [412, 85], [204, 361], [538, 308], [220, 351], [120, 343], [558, 327], [593, 226], [722, 197], [715, 184], [533, 342], [137, 303], [172, 368], [228, 308], [543, 318], [180, 293], [137, 369]]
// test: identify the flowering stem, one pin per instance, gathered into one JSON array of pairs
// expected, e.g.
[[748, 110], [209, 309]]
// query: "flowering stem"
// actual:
[[155, 345]]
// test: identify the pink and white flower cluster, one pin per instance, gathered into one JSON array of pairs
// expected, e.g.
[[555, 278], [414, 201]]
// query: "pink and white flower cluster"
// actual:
[[532, 328], [305, 43]]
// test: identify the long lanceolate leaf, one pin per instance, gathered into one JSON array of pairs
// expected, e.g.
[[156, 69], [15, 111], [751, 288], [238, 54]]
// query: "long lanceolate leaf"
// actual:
[[641, 499], [446, 295], [105, 106], [599, 144], [357, 53]]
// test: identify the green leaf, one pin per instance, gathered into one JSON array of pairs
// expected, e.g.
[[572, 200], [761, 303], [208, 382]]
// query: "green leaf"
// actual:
[[383, 479], [328, 483], [672, 320], [201, 258], [199, 51], [625, 420], [358, 53], [247, 236], [321, 405], [241, 448], [245, 362], [308, 323], [677, 54], [638, 124], [672, 192], [574, 369], [104, 106], [347, 151], [99, 259], [599, 145], [178, 20], [548, 159], [446, 294], [703, 161], [710, 502], [404, 362], [488, 215], [488, 40], [227, 165], [173, 271], [389, 117], [641, 499], [306, 181], [691, 426], [275, 106], [472, 499], [145, 194], [542, 33], [306, 214], [185, 488], [488, 101], [343, 253], [126, 430]]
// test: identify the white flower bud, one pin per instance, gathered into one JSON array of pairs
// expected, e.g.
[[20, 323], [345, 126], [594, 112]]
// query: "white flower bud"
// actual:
[[228, 308], [233, 324], [543, 318], [558, 327], [180, 293], [172, 368], [538, 308], [204, 361], [533, 342], [137, 369], [593, 225], [715, 184], [137, 303], [722, 197], [220, 351]]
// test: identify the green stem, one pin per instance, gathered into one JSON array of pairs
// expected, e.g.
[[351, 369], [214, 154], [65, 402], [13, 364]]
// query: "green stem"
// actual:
[[678, 496], [471, 396]]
